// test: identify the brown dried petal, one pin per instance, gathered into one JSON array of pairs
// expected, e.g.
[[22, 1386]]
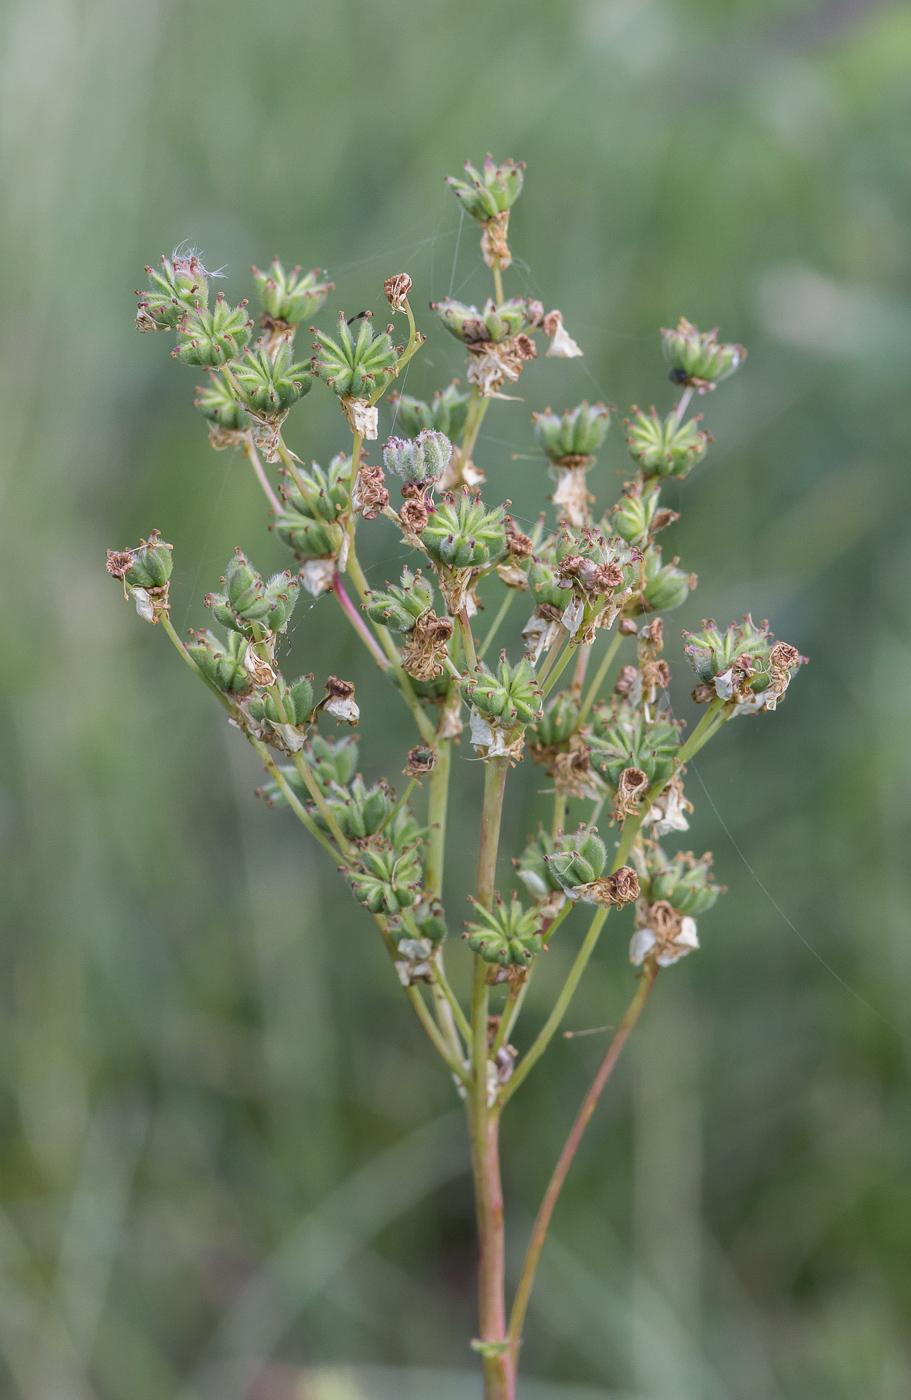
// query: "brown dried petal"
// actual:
[[526, 349], [119, 563], [703, 694], [397, 289], [626, 680], [421, 760], [414, 516], [370, 491], [622, 887], [627, 627], [519, 545]]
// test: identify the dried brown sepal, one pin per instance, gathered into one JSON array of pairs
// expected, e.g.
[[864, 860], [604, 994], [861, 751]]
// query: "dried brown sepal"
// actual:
[[339, 701], [702, 694], [627, 627]]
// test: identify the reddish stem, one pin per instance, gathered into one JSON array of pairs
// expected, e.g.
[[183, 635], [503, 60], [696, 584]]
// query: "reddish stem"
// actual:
[[538, 1234], [360, 626]]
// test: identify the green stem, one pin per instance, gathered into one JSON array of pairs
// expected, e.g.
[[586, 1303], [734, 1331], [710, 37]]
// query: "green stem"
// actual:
[[559, 813], [552, 655], [477, 407], [539, 1233], [592, 693], [547, 1031], [438, 807], [252, 456], [467, 639], [495, 770], [497, 281], [417, 1001], [425, 727], [558, 670], [504, 609]]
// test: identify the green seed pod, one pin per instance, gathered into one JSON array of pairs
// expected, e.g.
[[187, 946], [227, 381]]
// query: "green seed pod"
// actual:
[[464, 534], [510, 695], [558, 723], [212, 338], [493, 322], [621, 739], [332, 760], [270, 386], [305, 537], [534, 870], [327, 491], [698, 361], [446, 414], [222, 663], [661, 447], [218, 404], [296, 704], [288, 296], [430, 918], [543, 586], [578, 432], [180, 286], [400, 608], [577, 859], [419, 460], [355, 368], [152, 563], [508, 934], [387, 883], [247, 600], [483, 196], [633, 514], [666, 587], [686, 883]]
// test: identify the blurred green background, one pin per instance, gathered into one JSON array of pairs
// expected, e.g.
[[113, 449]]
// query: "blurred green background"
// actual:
[[228, 1159]]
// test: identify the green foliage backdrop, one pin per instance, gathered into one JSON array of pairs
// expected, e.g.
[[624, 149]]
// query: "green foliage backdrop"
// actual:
[[225, 1151]]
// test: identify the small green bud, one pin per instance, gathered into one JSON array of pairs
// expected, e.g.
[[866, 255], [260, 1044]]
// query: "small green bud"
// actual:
[[483, 196], [270, 386], [698, 361], [661, 447], [534, 870], [420, 460], [400, 607], [248, 601], [218, 404], [293, 707], [621, 738], [355, 368], [508, 934], [222, 663], [686, 883], [575, 434], [509, 695], [387, 883], [665, 587], [430, 918], [557, 724], [493, 322], [288, 296], [180, 286], [577, 859], [147, 566], [463, 534], [743, 664], [213, 337], [543, 586], [447, 413]]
